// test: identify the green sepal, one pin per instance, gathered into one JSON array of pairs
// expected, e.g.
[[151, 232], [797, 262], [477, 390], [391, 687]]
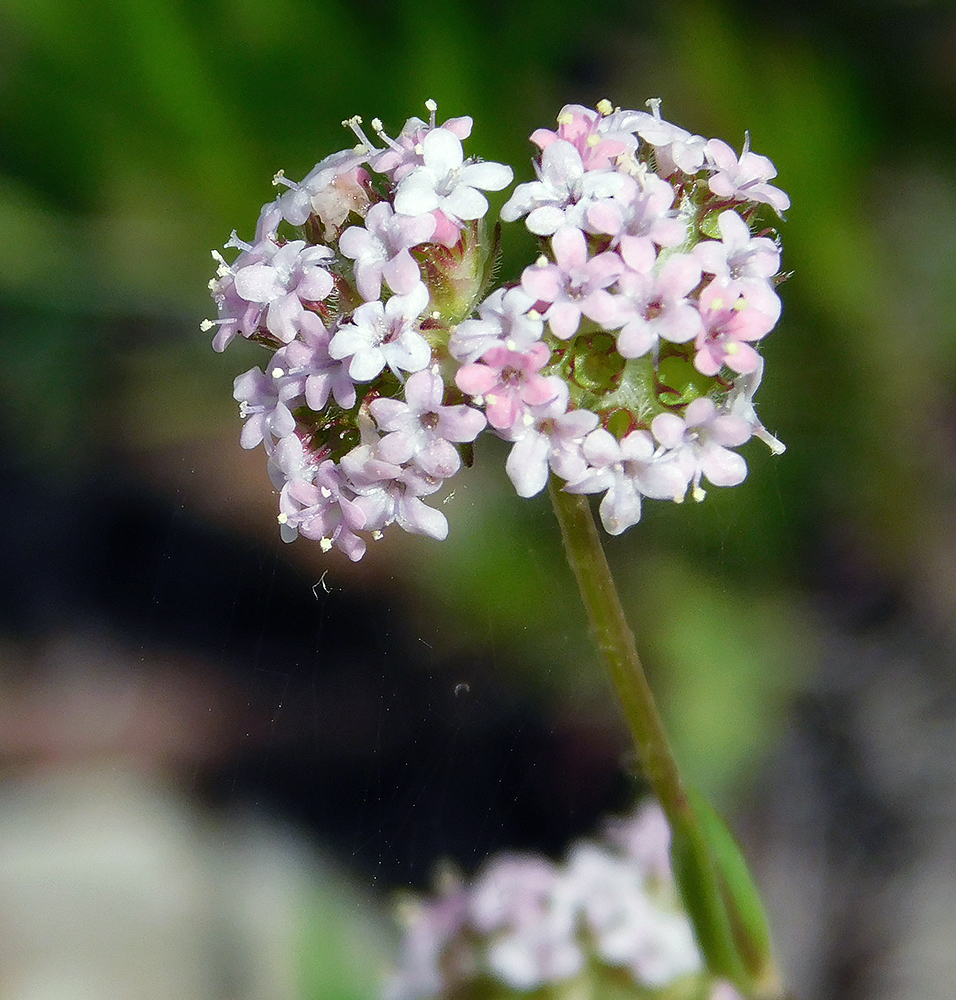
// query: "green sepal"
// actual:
[[722, 900]]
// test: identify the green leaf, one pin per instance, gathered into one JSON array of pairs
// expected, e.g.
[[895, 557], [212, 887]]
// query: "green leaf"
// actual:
[[722, 901]]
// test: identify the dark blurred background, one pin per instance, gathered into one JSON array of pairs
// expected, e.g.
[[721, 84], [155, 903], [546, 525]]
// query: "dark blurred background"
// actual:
[[170, 673]]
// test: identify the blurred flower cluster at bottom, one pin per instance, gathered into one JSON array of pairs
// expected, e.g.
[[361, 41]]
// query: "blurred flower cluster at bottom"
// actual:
[[606, 921]]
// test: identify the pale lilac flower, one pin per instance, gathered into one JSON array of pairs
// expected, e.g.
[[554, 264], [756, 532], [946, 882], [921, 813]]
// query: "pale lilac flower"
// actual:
[[390, 494], [508, 381], [674, 148], [331, 190], [380, 334], [511, 890], [529, 923], [323, 511], [645, 837], [291, 461], [630, 927], [516, 903], [432, 948], [380, 250], [699, 444], [733, 314], [738, 255], [405, 153], [639, 217], [724, 990], [744, 179], [421, 430], [506, 317], [563, 192], [548, 437], [266, 415], [447, 183], [305, 369], [575, 284], [291, 276], [656, 307], [237, 314], [627, 470], [528, 957]]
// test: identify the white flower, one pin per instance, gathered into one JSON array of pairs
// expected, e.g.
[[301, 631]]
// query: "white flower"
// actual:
[[447, 182], [380, 335]]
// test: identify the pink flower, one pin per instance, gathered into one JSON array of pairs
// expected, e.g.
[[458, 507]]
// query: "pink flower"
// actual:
[[699, 444], [405, 154], [292, 275], [548, 437], [638, 217], [331, 190], [266, 413], [509, 382], [322, 510], [563, 192], [626, 470], [744, 179], [421, 430], [599, 138], [732, 317], [656, 307], [304, 368], [506, 317], [391, 494], [738, 255], [384, 334], [674, 147], [575, 285], [380, 250]]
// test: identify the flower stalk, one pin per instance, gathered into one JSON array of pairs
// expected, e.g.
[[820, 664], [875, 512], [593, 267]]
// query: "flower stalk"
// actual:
[[711, 873], [615, 640]]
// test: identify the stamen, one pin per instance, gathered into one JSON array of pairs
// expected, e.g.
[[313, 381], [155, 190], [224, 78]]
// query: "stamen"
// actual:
[[280, 178], [380, 132], [604, 107], [355, 124], [654, 103]]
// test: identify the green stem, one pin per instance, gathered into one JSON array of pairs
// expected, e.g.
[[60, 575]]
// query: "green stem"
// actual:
[[712, 875], [616, 642]]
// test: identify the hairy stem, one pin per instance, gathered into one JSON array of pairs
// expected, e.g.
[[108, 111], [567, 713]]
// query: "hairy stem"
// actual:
[[616, 643]]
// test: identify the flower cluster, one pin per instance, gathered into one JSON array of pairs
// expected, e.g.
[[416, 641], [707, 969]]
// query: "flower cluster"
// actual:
[[623, 361], [609, 913]]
